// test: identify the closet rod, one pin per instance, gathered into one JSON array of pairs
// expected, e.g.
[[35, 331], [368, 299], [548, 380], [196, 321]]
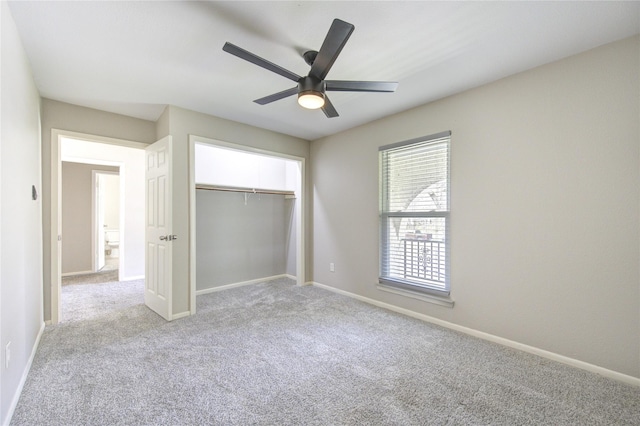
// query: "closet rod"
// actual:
[[245, 190]]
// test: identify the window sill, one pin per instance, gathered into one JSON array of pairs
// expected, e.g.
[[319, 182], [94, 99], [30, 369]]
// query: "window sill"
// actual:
[[445, 301]]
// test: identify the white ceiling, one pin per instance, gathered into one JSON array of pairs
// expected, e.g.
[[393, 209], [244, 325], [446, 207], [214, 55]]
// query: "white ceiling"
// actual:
[[135, 57]]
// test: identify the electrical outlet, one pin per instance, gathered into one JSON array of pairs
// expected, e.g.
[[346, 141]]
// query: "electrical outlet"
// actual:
[[332, 267], [7, 355]]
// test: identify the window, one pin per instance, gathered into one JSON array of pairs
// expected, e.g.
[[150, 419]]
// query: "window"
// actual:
[[414, 214]]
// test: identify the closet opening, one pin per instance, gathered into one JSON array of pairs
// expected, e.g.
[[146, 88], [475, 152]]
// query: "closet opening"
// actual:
[[246, 216]]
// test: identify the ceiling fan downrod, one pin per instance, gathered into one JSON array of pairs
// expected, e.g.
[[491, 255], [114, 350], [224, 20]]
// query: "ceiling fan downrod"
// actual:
[[310, 56]]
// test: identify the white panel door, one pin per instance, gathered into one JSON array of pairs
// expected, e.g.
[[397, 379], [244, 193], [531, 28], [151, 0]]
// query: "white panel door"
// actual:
[[158, 253]]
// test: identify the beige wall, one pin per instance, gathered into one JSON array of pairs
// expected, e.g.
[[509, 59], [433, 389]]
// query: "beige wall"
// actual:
[[240, 241], [20, 216], [77, 212], [544, 200], [183, 123], [63, 116], [132, 178], [180, 123]]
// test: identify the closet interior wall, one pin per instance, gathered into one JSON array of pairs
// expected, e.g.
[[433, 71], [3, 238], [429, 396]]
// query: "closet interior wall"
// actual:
[[243, 234]]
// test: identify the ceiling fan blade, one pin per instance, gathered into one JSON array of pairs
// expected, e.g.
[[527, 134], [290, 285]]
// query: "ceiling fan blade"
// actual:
[[277, 96], [254, 59], [361, 86], [337, 37], [328, 108]]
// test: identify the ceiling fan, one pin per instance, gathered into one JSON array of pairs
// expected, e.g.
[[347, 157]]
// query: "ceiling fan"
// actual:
[[311, 88]]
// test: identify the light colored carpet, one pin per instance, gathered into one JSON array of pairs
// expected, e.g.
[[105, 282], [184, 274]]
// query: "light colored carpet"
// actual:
[[109, 273], [277, 354], [82, 302], [95, 278]]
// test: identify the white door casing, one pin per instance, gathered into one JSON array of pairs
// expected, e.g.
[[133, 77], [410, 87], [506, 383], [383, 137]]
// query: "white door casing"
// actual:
[[158, 252], [99, 191]]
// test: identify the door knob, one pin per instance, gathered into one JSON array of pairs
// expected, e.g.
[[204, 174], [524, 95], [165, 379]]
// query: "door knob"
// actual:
[[164, 238]]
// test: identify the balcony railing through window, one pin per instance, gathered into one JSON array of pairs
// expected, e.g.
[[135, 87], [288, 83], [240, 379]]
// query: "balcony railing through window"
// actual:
[[424, 260]]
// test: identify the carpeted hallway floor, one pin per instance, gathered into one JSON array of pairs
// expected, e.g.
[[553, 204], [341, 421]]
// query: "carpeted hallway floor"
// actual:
[[107, 274], [277, 354]]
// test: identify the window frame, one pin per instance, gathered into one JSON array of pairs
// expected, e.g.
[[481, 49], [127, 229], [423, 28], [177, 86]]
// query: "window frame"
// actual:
[[407, 286]]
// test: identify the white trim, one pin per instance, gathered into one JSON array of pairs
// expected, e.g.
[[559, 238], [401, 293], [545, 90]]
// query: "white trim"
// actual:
[[133, 278], [55, 227], [23, 379], [300, 213], [91, 161], [630, 380], [241, 284], [180, 315], [95, 261], [192, 225], [243, 148], [73, 274], [99, 139], [436, 300]]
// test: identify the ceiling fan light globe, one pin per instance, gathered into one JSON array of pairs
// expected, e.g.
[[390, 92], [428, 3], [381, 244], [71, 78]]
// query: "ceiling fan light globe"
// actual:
[[311, 99]]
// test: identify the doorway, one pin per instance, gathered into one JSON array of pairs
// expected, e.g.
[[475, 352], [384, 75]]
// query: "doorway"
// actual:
[[106, 220], [90, 200], [127, 240]]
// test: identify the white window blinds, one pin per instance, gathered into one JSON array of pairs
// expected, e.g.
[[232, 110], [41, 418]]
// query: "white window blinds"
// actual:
[[414, 214]]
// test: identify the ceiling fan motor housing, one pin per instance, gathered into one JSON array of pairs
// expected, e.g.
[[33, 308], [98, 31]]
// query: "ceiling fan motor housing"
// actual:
[[311, 92], [310, 84]]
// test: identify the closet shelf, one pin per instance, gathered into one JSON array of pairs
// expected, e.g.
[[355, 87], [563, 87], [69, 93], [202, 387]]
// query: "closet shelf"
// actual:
[[203, 186]]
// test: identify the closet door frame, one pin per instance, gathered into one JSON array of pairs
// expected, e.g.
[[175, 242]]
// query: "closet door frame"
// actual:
[[300, 213]]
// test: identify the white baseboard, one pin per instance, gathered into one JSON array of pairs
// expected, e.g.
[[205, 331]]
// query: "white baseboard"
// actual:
[[180, 315], [634, 381], [23, 379], [133, 278], [71, 274], [240, 284]]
